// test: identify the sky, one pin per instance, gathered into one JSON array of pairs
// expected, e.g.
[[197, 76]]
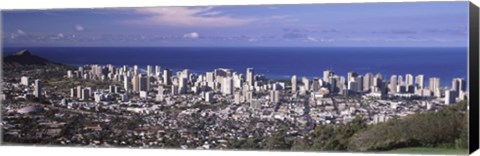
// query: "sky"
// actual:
[[417, 24]]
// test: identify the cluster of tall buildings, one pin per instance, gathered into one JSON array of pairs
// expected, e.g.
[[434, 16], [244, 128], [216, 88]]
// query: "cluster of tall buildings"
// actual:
[[37, 86], [81, 93], [242, 88]]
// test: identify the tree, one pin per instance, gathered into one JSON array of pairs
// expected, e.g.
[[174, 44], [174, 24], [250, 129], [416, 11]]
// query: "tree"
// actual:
[[278, 141]]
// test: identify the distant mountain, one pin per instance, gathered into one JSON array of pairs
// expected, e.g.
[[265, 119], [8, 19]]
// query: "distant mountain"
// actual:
[[25, 58]]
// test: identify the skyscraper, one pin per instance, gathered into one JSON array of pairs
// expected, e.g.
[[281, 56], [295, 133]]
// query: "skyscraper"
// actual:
[[351, 75], [409, 79], [355, 84], [136, 83], [393, 84], [143, 84], [400, 80], [274, 96], [79, 92], [160, 93], [419, 81], [158, 70], [315, 84], [250, 77], [450, 96], [86, 93], [326, 76], [126, 85], [434, 86], [38, 88], [149, 70], [294, 83], [182, 85], [167, 74], [333, 85], [227, 86], [73, 93], [367, 81], [210, 78], [135, 69], [237, 80], [306, 83], [459, 85]]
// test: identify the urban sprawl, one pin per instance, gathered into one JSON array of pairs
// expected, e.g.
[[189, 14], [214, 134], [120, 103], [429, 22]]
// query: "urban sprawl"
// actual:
[[162, 108]]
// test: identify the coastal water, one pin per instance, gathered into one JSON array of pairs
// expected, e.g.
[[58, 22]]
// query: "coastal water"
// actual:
[[273, 62]]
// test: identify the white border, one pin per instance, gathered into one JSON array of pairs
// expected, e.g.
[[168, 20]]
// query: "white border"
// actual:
[[62, 4]]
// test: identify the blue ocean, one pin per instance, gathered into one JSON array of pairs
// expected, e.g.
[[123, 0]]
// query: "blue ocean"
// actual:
[[273, 62]]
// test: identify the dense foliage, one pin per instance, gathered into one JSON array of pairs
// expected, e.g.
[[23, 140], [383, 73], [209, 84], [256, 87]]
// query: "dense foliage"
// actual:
[[445, 128]]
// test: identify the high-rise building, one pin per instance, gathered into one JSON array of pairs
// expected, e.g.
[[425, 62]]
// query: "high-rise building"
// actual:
[[136, 83], [69, 74], [167, 74], [149, 70], [79, 92], [419, 81], [400, 80], [238, 97], [367, 81], [174, 90], [315, 84], [143, 83], [306, 83], [393, 84], [274, 96], [237, 80], [135, 70], [24, 80], [158, 70], [125, 68], [434, 86], [126, 85], [210, 78], [351, 75], [38, 88], [160, 94], [250, 77], [184, 74], [459, 85], [333, 88], [86, 93], [73, 92], [182, 85], [450, 96], [294, 83], [409, 79], [326, 76], [209, 97], [227, 86], [379, 76], [355, 84]]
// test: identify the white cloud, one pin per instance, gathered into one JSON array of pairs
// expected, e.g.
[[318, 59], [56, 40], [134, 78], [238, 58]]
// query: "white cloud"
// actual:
[[212, 13], [192, 35], [188, 16], [60, 35], [253, 39], [280, 17], [79, 27], [21, 32], [309, 38]]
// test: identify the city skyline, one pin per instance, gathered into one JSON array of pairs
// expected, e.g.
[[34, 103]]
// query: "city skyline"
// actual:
[[367, 24]]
